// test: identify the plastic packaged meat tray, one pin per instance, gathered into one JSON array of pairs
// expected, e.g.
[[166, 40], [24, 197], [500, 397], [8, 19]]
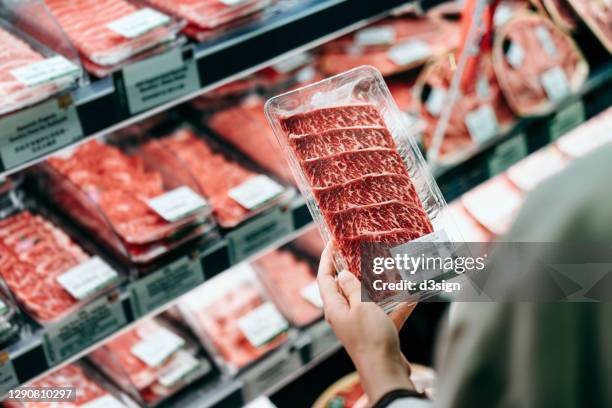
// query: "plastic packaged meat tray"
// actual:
[[108, 33], [235, 192], [49, 274], [355, 161], [128, 204], [151, 361], [91, 389], [232, 316], [597, 14], [30, 72], [291, 283]]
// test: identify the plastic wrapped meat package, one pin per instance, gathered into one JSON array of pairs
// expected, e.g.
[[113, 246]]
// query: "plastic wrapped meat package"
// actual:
[[30, 73], [110, 32], [311, 243], [477, 116], [49, 274], [290, 72], [151, 361], [391, 46], [361, 172], [291, 283], [126, 203], [248, 118], [531, 85], [233, 317], [471, 230], [494, 204], [235, 192], [587, 137], [91, 390], [597, 14], [207, 14], [536, 168]]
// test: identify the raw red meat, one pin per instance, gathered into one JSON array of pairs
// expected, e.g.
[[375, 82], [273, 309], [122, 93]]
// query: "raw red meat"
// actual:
[[70, 376], [366, 216], [285, 276], [336, 141], [597, 14], [521, 81], [33, 254], [237, 122], [85, 23]]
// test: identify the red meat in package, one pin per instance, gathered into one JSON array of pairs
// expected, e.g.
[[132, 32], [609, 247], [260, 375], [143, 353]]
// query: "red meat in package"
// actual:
[[231, 314], [597, 14], [36, 258], [292, 285]]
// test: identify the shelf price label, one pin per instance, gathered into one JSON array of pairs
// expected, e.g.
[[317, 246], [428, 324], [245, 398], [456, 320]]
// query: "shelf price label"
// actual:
[[8, 377], [37, 131], [83, 328], [269, 372], [259, 233], [166, 284], [158, 80], [507, 154]]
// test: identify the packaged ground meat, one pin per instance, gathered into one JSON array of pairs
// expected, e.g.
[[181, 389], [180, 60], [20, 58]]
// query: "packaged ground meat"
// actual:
[[537, 65], [29, 72], [232, 316], [49, 274], [151, 361], [536, 168], [477, 116], [91, 389], [358, 166], [248, 117], [109, 32], [234, 191], [129, 204], [597, 14], [291, 283]]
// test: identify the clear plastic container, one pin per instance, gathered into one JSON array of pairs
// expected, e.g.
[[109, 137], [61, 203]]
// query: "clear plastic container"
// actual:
[[358, 166], [48, 272], [152, 361], [37, 61], [235, 192], [128, 204], [232, 316], [113, 31], [91, 388], [290, 280]]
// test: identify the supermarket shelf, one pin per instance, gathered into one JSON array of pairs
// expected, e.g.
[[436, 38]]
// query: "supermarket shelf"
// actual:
[[160, 82], [527, 136]]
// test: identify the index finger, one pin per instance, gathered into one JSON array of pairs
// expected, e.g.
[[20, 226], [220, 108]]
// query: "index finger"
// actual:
[[330, 291]]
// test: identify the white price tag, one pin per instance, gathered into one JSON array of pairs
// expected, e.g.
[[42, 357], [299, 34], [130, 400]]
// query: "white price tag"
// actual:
[[515, 56], [87, 278], [482, 88], [555, 84], [292, 63], [157, 347], [311, 293], [256, 191], [546, 41], [262, 324], [138, 23], [232, 2], [183, 365], [177, 204], [435, 101], [503, 14], [45, 71], [107, 401], [380, 35], [482, 123], [409, 52]]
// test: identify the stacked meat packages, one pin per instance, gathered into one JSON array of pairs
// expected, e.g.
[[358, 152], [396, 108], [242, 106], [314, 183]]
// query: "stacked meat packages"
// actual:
[[151, 362], [49, 274], [235, 192], [91, 390], [129, 206], [291, 283], [232, 315], [111, 32]]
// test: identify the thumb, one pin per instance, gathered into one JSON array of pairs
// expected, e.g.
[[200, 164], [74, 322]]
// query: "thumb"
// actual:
[[351, 287]]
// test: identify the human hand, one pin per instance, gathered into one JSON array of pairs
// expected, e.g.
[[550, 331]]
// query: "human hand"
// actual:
[[367, 333]]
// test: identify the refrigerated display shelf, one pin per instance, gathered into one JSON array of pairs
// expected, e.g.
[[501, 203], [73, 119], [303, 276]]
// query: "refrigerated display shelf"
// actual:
[[157, 83]]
